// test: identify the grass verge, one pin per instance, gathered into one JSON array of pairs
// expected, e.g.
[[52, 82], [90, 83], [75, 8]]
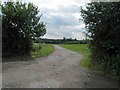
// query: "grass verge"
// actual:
[[86, 60], [40, 50], [83, 49]]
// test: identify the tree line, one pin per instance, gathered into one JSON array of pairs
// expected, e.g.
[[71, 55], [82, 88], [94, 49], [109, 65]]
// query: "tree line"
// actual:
[[60, 41]]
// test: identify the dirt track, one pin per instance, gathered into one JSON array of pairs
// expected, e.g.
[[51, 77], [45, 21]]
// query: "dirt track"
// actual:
[[61, 69]]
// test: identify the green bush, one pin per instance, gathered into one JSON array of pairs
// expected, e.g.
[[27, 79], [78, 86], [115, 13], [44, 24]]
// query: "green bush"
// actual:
[[102, 21], [20, 24]]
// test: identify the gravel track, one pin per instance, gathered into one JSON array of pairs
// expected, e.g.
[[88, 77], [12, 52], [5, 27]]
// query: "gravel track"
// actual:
[[60, 69]]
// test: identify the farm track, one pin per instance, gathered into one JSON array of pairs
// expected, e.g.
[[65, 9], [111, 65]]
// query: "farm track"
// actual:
[[60, 69]]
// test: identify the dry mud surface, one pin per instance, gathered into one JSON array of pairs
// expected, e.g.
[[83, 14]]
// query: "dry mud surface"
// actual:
[[61, 69]]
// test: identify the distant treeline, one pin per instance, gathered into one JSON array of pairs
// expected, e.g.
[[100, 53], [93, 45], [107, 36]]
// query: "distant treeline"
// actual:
[[61, 41]]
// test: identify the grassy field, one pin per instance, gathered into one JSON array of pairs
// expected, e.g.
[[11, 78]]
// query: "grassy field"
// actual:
[[40, 50], [83, 49]]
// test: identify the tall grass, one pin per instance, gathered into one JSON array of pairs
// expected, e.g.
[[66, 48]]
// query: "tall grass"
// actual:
[[40, 50]]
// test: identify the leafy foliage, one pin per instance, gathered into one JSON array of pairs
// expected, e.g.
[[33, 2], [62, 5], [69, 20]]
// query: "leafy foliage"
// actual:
[[102, 21], [20, 24]]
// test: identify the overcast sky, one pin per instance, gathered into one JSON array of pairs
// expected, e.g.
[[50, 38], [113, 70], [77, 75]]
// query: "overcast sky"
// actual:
[[62, 17]]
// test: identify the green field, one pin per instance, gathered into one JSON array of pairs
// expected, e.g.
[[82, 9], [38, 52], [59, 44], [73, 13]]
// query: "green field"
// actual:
[[40, 50], [82, 49]]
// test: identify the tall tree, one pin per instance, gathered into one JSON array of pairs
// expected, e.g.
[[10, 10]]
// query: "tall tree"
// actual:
[[20, 23], [102, 21]]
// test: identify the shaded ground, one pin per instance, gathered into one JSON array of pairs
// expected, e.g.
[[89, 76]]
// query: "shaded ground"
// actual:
[[59, 70]]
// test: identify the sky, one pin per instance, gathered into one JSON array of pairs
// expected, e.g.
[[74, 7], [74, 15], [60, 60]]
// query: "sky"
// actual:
[[62, 18]]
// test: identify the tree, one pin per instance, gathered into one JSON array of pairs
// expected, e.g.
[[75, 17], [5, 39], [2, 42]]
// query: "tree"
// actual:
[[102, 21], [20, 23], [64, 38]]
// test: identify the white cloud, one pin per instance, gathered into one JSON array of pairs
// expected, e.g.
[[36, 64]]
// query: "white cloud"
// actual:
[[65, 31], [81, 26], [62, 17], [78, 35]]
